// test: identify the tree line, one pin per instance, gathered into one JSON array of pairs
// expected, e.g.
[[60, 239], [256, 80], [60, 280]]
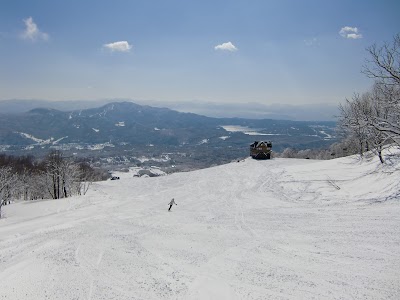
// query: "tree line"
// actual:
[[371, 120], [342, 148], [54, 177]]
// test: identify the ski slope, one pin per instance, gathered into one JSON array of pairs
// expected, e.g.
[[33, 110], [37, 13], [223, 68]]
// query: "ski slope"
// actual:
[[275, 229]]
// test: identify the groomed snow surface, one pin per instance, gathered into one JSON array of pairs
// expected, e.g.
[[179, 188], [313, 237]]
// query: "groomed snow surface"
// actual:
[[274, 229]]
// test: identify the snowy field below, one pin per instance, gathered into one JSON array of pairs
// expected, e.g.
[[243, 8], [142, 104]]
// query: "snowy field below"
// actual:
[[275, 229]]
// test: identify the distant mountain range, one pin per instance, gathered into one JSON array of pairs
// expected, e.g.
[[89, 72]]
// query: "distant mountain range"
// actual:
[[129, 129], [305, 112]]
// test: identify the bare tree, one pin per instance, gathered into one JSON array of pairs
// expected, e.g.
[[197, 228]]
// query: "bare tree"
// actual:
[[55, 177], [7, 179], [373, 118], [52, 171], [383, 64], [353, 120], [386, 99], [87, 176], [71, 178], [383, 121], [38, 187], [363, 118], [66, 177]]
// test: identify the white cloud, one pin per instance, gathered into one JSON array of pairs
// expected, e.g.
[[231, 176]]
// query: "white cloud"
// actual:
[[354, 36], [350, 33], [311, 42], [121, 46], [32, 31], [226, 47]]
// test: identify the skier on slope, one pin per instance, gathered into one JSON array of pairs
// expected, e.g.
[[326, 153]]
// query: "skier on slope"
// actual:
[[171, 203]]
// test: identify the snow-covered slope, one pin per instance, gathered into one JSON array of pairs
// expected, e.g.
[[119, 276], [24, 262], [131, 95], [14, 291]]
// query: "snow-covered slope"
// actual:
[[276, 229]]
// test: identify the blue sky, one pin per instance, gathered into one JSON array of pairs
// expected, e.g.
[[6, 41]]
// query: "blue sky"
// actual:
[[287, 52]]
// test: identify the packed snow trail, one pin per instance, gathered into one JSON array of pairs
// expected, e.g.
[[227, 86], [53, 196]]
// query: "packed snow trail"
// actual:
[[276, 229]]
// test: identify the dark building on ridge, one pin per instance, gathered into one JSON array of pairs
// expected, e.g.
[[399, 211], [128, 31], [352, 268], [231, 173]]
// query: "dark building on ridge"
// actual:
[[261, 150]]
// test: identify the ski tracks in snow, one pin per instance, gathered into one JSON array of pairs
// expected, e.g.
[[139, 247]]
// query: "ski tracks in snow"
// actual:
[[247, 230], [88, 260]]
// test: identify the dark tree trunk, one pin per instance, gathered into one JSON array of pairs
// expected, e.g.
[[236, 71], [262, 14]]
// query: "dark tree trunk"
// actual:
[[54, 188], [361, 148], [65, 190], [58, 187], [380, 155]]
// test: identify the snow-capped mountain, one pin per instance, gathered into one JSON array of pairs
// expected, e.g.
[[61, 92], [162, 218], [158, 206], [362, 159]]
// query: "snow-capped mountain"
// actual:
[[124, 125]]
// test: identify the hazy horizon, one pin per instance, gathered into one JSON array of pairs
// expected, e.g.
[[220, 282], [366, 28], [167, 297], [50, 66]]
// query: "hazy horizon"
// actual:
[[307, 112]]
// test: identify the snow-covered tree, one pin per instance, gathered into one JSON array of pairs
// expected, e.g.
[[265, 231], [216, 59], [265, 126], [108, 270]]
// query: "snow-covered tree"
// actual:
[[87, 176], [55, 177], [383, 65], [52, 173], [7, 180], [373, 118], [62, 176], [353, 120]]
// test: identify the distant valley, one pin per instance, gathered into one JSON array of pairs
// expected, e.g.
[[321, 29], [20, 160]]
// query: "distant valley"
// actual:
[[125, 133]]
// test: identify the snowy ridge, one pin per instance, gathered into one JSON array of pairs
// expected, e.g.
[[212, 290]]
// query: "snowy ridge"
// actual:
[[106, 109], [203, 141], [275, 229], [35, 139], [41, 141], [59, 140]]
